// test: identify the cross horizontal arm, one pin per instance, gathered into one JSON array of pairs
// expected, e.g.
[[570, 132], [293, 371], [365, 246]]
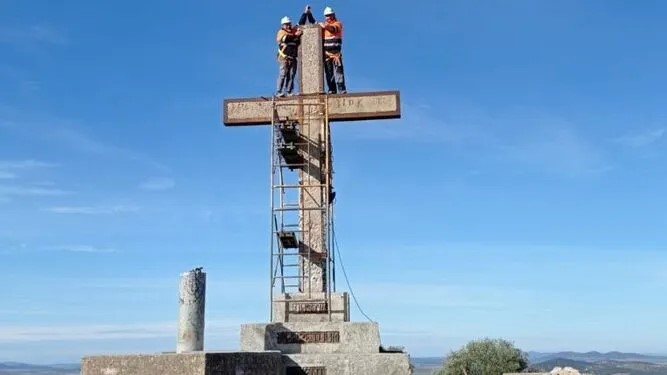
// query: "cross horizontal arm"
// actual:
[[347, 107]]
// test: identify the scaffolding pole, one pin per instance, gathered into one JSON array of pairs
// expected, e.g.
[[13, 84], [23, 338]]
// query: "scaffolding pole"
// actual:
[[288, 213]]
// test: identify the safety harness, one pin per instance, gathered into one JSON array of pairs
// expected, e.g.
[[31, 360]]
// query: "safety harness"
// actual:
[[284, 45], [283, 55], [334, 56]]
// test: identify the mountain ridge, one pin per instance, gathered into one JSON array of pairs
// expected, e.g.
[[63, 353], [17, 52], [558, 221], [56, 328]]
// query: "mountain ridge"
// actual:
[[595, 356]]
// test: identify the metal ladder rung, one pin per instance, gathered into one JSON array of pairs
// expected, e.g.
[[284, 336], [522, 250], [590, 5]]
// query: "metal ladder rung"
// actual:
[[298, 186], [301, 209], [291, 165]]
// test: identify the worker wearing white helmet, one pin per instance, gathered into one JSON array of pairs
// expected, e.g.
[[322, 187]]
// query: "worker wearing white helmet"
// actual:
[[332, 30], [333, 60], [288, 39]]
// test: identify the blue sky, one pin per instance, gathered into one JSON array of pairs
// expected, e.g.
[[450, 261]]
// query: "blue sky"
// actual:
[[521, 195]]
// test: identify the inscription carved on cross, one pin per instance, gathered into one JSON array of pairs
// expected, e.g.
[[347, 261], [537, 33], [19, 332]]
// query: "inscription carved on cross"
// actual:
[[341, 107]]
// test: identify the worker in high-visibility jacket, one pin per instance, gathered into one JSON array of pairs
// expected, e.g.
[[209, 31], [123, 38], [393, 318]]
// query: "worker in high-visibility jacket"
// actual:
[[332, 30], [288, 39]]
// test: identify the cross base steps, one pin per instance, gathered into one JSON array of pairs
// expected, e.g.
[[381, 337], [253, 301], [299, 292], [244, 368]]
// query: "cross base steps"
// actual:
[[305, 337], [248, 363], [326, 348], [348, 364], [300, 307]]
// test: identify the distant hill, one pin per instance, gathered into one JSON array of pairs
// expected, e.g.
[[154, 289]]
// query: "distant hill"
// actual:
[[16, 368], [611, 363], [426, 365], [597, 357]]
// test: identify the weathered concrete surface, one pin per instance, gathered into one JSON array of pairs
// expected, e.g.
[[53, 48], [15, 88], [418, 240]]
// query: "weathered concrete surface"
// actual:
[[311, 65], [197, 363], [312, 220], [191, 311], [352, 363], [299, 309], [333, 337], [342, 107]]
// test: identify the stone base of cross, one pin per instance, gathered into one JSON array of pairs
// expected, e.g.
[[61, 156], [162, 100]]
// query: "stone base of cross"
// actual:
[[339, 108]]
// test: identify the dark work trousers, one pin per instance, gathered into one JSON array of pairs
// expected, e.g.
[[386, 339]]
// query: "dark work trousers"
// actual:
[[286, 74], [335, 74]]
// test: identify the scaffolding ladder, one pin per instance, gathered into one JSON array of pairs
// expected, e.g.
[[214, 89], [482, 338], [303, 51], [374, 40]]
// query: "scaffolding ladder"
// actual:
[[290, 151]]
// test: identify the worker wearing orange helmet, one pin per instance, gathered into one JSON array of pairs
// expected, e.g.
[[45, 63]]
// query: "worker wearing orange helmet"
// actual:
[[332, 30], [288, 39]]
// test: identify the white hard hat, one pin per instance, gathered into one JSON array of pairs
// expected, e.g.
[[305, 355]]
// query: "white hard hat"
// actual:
[[285, 20], [328, 11]]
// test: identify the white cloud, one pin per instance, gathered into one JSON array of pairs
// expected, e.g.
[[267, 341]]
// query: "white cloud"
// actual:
[[642, 139], [136, 283], [61, 132], [466, 297], [7, 191], [241, 287], [14, 169], [93, 210], [82, 249], [519, 140], [9, 168], [14, 333], [25, 248], [157, 184], [36, 34], [557, 147], [23, 312], [81, 142], [25, 164], [419, 124]]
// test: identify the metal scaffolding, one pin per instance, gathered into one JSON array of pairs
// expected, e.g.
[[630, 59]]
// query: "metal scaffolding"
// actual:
[[290, 151]]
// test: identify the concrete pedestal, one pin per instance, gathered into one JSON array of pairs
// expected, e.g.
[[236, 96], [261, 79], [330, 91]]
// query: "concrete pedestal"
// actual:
[[305, 337], [199, 363], [348, 364], [191, 311], [300, 307], [326, 348]]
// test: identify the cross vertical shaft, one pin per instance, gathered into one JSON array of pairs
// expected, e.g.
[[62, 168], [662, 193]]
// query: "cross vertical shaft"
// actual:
[[313, 199]]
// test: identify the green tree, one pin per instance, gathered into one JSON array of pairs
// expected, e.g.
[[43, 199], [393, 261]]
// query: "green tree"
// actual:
[[485, 357]]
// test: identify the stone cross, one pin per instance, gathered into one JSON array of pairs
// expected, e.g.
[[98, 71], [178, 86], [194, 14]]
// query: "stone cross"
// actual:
[[341, 107]]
